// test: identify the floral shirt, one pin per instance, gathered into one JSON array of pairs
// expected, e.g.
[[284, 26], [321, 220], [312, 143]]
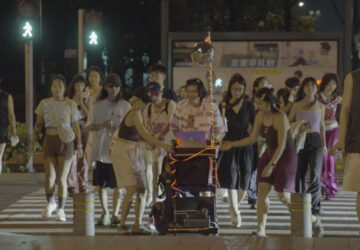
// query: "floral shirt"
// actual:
[[189, 118]]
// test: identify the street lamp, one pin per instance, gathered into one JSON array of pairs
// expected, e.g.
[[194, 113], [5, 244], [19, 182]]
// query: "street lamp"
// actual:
[[301, 4]]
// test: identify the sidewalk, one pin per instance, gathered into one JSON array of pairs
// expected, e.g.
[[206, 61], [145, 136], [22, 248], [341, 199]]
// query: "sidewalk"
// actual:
[[13, 186], [11, 242]]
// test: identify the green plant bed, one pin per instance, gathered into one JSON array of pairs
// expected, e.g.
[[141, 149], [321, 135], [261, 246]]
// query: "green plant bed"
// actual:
[[16, 158]]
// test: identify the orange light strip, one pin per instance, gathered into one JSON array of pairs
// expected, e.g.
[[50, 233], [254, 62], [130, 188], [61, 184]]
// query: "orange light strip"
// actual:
[[200, 152], [216, 174], [211, 93], [175, 188]]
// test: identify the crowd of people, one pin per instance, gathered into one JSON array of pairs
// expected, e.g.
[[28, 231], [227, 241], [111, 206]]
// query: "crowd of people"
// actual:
[[268, 140]]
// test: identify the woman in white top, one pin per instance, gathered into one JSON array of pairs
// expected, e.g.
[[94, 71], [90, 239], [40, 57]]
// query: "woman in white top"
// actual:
[[58, 113], [105, 116]]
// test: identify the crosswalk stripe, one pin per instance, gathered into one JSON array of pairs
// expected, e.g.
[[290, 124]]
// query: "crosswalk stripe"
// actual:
[[339, 219]]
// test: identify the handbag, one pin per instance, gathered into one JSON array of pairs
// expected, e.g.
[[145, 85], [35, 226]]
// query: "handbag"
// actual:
[[66, 135]]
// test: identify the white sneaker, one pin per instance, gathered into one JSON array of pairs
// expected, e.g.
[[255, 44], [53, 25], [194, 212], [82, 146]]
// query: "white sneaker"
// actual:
[[235, 219], [152, 224], [148, 200], [49, 209], [60, 215]]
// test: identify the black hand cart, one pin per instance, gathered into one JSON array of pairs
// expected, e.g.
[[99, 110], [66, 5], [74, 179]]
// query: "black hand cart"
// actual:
[[189, 178]]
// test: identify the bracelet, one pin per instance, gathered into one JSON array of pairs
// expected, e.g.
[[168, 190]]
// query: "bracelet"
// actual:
[[79, 145]]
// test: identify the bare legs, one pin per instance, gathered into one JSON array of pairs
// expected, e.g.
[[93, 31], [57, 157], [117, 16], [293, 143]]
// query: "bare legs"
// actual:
[[235, 198], [103, 200], [156, 172], [103, 196], [50, 176], [64, 168], [148, 158], [139, 205], [264, 204]]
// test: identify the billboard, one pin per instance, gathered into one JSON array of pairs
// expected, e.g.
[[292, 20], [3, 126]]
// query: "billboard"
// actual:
[[276, 60]]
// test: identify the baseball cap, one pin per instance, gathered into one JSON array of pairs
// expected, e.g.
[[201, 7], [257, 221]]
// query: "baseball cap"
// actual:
[[143, 94], [154, 87]]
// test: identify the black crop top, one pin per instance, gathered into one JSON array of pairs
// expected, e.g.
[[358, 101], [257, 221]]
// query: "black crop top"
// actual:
[[128, 133]]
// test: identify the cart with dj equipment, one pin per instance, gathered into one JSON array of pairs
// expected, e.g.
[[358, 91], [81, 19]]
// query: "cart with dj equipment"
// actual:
[[189, 178]]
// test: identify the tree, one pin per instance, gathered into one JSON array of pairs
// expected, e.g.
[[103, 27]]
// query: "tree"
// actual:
[[234, 15]]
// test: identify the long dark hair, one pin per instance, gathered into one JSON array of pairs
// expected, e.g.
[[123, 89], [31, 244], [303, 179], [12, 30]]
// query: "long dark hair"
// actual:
[[267, 95], [257, 83], [57, 77], [301, 94], [236, 78], [96, 69], [71, 89], [325, 81], [112, 79], [285, 94], [200, 87]]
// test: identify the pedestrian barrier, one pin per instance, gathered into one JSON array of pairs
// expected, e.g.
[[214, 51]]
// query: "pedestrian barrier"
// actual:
[[84, 214], [300, 208]]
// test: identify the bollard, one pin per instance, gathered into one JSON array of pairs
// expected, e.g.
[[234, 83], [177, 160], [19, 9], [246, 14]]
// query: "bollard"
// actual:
[[84, 214], [300, 207]]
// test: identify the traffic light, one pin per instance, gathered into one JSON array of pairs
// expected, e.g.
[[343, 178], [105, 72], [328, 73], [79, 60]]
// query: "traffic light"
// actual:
[[29, 12], [93, 20]]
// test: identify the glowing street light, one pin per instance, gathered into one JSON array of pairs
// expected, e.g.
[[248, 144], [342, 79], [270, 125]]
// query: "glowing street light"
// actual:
[[301, 4], [27, 30], [93, 38]]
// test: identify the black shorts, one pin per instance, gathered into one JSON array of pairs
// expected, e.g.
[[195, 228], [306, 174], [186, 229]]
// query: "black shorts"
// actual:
[[104, 175]]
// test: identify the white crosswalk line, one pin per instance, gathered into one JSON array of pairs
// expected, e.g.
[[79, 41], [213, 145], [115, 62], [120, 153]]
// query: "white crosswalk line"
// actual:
[[339, 220]]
